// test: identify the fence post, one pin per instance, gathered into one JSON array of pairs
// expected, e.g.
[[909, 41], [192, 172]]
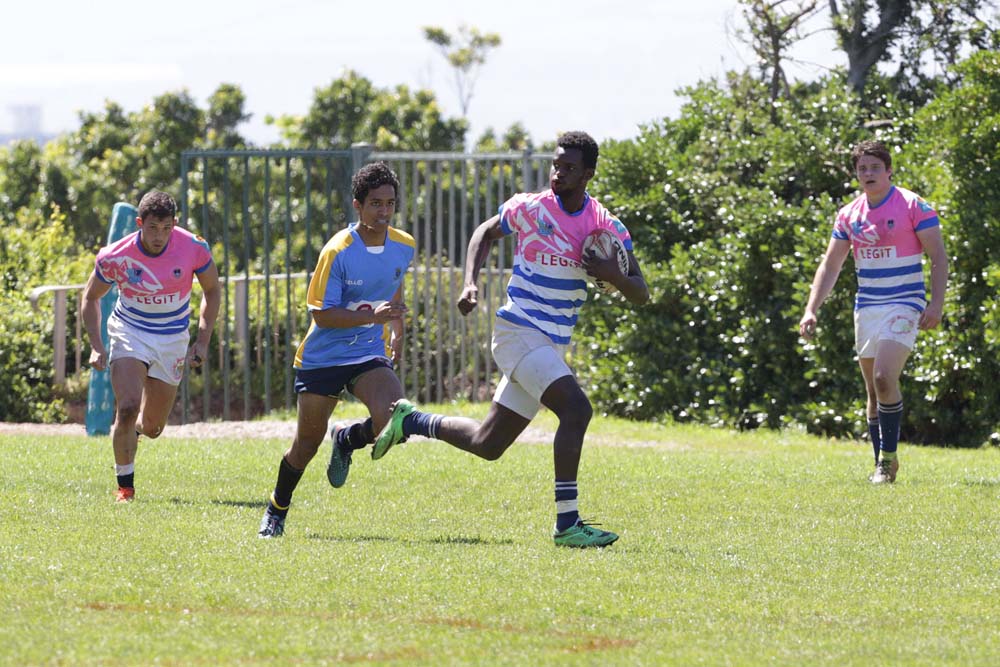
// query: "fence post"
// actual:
[[59, 337]]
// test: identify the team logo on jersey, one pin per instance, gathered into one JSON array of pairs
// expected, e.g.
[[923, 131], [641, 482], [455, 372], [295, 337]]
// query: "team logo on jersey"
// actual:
[[890, 224], [131, 274], [399, 272], [177, 273], [544, 230], [864, 232]]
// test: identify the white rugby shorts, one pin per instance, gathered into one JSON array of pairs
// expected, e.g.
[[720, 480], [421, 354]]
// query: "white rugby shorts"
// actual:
[[163, 355], [877, 323], [530, 363]]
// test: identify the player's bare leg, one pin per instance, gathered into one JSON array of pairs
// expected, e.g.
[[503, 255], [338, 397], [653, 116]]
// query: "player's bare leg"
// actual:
[[314, 412], [313, 416], [487, 440], [867, 365], [378, 389], [128, 379], [565, 398], [890, 357], [157, 402]]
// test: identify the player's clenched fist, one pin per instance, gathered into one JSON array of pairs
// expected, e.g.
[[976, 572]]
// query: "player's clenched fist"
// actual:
[[468, 300]]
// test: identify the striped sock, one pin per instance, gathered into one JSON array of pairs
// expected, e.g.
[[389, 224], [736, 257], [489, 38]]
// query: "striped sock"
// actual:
[[567, 513], [422, 423], [125, 475], [889, 418], [876, 437]]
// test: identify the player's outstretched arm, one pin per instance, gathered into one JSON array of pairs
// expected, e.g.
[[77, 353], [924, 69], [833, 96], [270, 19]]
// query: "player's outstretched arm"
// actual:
[[90, 311], [823, 282], [479, 249]]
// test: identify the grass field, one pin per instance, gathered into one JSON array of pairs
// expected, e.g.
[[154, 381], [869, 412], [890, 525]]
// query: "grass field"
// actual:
[[736, 549]]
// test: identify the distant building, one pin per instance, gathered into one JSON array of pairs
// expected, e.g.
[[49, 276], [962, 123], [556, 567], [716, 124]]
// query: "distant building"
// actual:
[[27, 125]]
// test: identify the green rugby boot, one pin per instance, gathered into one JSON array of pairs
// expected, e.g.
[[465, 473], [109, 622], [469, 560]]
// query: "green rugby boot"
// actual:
[[340, 458], [392, 434], [582, 535]]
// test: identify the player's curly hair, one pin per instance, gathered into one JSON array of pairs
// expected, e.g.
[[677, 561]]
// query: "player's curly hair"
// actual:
[[372, 176], [584, 143], [873, 148], [156, 204]]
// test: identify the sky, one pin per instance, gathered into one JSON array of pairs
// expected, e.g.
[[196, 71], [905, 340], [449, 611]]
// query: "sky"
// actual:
[[606, 67]]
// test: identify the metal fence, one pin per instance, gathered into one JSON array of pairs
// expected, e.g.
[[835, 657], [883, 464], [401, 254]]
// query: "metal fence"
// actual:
[[267, 215]]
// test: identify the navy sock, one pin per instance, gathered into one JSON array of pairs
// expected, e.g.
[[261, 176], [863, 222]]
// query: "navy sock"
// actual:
[[288, 479], [126, 481], [356, 436], [567, 513], [889, 418], [421, 423], [876, 437]]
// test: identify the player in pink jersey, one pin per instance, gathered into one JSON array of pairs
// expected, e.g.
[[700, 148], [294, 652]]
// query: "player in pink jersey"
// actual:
[[148, 335], [545, 293], [889, 229]]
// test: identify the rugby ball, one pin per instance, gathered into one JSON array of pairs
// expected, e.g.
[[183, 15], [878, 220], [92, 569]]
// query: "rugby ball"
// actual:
[[606, 244]]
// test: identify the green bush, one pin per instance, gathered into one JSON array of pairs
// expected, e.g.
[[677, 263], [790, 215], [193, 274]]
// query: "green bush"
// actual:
[[731, 208], [33, 252]]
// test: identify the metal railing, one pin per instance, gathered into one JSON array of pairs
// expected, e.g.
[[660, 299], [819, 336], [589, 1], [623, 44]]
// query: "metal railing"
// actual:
[[267, 215]]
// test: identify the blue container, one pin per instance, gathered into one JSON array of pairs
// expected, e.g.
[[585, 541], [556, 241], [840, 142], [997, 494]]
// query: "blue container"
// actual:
[[100, 397]]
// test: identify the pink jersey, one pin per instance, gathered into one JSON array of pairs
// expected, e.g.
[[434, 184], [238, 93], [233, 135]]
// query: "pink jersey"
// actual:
[[549, 285], [888, 255], [154, 292]]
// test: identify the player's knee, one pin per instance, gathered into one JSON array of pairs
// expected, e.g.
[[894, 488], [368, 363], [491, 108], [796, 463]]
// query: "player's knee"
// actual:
[[127, 411], [153, 433], [490, 448], [884, 382], [578, 414], [305, 447]]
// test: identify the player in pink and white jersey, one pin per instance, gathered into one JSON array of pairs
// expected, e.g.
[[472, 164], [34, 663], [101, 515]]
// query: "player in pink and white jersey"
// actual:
[[545, 293], [148, 335], [889, 230]]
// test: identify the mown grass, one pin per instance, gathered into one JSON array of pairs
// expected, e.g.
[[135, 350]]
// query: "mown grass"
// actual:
[[742, 549]]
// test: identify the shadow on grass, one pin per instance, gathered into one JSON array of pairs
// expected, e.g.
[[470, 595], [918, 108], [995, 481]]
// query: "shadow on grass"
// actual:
[[253, 504], [985, 483], [448, 539]]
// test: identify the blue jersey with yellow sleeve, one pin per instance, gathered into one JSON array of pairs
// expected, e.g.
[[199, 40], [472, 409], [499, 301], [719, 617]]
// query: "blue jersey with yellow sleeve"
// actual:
[[351, 275]]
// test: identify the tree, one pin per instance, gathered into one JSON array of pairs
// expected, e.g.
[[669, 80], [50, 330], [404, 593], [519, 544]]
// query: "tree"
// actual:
[[352, 109], [516, 138], [466, 53], [909, 32], [866, 44], [20, 176], [774, 27], [225, 113]]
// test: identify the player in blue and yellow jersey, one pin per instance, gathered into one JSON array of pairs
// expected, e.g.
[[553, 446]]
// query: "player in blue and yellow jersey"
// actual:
[[356, 290]]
